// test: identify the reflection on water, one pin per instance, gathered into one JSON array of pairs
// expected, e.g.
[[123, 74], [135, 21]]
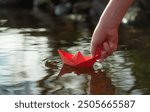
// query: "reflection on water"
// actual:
[[29, 62], [72, 80], [121, 69], [20, 59]]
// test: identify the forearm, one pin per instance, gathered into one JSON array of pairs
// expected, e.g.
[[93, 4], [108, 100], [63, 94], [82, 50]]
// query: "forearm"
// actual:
[[114, 13]]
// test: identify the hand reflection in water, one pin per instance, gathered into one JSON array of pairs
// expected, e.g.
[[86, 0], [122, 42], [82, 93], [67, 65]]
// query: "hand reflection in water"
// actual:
[[78, 81]]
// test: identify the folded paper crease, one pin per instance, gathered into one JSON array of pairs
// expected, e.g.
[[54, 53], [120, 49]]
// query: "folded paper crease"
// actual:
[[77, 60]]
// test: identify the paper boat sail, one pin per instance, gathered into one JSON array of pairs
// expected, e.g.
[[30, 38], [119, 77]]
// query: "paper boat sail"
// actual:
[[77, 60]]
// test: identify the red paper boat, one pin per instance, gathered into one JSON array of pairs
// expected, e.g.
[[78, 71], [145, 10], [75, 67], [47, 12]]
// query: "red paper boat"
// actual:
[[77, 60]]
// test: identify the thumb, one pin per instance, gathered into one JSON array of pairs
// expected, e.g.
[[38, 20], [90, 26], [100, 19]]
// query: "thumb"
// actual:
[[95, 48], [96, 42]]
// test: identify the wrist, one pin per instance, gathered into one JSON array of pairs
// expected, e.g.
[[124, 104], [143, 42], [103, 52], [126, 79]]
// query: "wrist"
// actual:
[[114, 12], [109, 23], [106, 26]]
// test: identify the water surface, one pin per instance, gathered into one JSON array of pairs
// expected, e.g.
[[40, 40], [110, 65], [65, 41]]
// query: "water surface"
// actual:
[[30, 64]]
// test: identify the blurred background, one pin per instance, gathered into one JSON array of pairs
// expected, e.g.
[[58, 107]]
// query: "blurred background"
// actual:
[[31, 32]]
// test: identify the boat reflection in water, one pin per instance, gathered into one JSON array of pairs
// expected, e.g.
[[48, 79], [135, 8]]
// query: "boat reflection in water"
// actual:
[[78, 81]]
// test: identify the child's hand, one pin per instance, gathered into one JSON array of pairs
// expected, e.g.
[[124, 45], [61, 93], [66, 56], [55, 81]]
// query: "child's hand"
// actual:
[[104, 39]]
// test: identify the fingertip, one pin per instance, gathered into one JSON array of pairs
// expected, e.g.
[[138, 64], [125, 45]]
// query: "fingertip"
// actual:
[[107, 48], [103, 54], [113, 46]]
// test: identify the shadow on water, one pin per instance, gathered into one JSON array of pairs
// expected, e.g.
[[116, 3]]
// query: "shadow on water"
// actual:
[[29, 61]]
